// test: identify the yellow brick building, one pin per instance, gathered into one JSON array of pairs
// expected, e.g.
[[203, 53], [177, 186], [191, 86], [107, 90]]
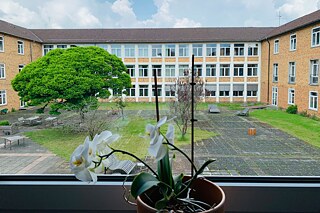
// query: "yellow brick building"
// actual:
[[277, 66]]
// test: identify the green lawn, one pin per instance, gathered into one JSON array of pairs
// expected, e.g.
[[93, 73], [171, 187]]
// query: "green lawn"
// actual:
[[301, 127]]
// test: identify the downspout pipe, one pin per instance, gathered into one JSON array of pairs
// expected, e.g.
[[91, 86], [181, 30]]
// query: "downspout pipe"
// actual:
[[268, 67]]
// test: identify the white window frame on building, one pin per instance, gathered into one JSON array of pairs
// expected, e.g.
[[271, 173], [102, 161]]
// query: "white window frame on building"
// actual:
[[211, 70], [274, 96], [197, 50], [116, 50], [47, 48], [62, 46], [210, 90], [170, 70], [225, 50], [2, 71], [252, 90], [170, 50], [1, 44], [20, 47], [143, 71], [238, 49], [293, 42], [291, 96], [183, 70], [131, 70], [143, 50], [131, 91], [159, 90], [276, 46], [20, 67], [158, 69], [275, 74], [129, 50], [292, 73], [156, 50], [143, 90], [238, 70], [3, 97], [198, 70], [313, 100], [315, 37], [170, 90], [183, 50], [252, 70], [22, 103], [224, 90], [314, 72], [224, 70], [253, 50], [211, 50], [238, 90]]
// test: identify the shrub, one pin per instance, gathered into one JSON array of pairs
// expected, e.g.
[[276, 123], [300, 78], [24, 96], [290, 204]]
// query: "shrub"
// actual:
[[4, 123], [13, 109], [293, 109]]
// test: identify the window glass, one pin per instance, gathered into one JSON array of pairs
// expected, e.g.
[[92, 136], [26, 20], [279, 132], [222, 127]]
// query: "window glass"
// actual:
[[131, 91], [47, 48], [1, 44], [143, 70], [314, 72], [197, 50], [170, 50], [291, 96], [293, 42], [143, 90], [211, 70], [20, 47], [224, 69], [292, 72], [253, 50], [238, 70], [143, 50], [156, 50], [315, 41], [210, 90], [238, 90], [252, 70], [62, 46], [157, 69], [159, 90], [183, 70], [170, 70], [170, 90], [2, 71], [116, 50], [225, 49], [3, 97], [211, 49], [129, 51], [276, 46], [275, 73], [239, 49], [131, 70], [183, 50], [313, 100], [224, 90]]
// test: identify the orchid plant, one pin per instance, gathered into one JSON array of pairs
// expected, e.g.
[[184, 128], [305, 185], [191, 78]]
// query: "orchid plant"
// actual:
[[92, 157]]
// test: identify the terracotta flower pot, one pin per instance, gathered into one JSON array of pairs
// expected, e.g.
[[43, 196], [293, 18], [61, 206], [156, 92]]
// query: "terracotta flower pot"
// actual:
[[203, 190]]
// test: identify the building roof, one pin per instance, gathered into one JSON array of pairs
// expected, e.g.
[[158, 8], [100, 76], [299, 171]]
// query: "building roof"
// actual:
[[303, 21], [14, 30], [152, 35]]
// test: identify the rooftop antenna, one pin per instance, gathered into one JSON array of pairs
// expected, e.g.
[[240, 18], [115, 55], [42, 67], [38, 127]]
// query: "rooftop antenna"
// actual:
[[279, 16]]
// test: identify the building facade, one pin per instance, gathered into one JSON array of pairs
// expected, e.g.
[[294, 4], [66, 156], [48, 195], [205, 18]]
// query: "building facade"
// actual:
[[278, 66]]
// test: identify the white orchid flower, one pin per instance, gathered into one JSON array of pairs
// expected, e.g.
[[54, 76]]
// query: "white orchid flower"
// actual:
[[153, 130], [103, 140], [80, 163], [157, 149], [170, 134]]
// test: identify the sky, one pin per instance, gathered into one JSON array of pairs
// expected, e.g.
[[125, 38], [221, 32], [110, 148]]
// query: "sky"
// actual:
[[35, 14]]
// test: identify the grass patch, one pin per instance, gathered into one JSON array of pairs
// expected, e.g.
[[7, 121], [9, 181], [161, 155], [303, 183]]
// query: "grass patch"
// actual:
[[301, 127]]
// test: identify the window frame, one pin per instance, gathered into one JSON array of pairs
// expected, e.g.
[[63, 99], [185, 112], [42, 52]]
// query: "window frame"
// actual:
[[314, 74], [253, 49], [315, 37], [198, 70], [224, 70], [20, 44], [3, 97], [157, 68], [274, 96], [47, 49], [225, 50], [238, 50], [170, 68], [292, 72], [252, 70], [276, 46], [170, 50], [1, 43], [2, 71], [183, 50], [131, 70], [313, 100], [211, 69], [143, 71], [156, 50], [291, 96], [211, 50], [116, 50], [182, 71], [143, 50], [129, 51], [238, 69], [275, 72], [131, 92], [144, 88], [159, 86], [197, 50], [293, 42], [169, 92], [20, 67]]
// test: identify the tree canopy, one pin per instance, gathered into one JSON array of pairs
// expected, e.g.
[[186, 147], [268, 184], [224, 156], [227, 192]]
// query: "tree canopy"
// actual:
[[71, 77]]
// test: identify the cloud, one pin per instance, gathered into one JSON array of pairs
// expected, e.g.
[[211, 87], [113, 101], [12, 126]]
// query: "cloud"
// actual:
[[292, 9]]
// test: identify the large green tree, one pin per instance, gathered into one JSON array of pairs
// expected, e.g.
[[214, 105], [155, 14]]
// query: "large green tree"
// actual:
[[73, 78]]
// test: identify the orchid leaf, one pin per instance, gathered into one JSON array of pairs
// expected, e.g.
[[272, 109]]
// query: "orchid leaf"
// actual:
[[161, 204], [204, 166], [178, 183], [164, 170], [142, 183]]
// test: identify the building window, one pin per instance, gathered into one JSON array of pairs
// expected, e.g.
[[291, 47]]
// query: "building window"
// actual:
[[131, 70], [156, 50], [183, 50], [293, 42], [116, 50], [143, 51], [156, 69], [129, 51], [275, 96], [238, 90], [210, 90], [276, 46], [131, 91], [238, 70], [170, 70], [20, 47], [197, 50], [3, 97], [2, 71], [238, 49], [314, 72], [252, 69], [253, 50], [252, 90], [275, 73], [225, 70], [143, 70], [315, 37], [170, 90], [183, 70], [170, 50], [159, 91], [211, 70], [224, 90], [47, 48], [62, 46], [211, 50], [313, 100], [1, 44], [225, 49], [291, 96], [198, 70], [23, 103], [20, 67], [143, 90], [292, 72]]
